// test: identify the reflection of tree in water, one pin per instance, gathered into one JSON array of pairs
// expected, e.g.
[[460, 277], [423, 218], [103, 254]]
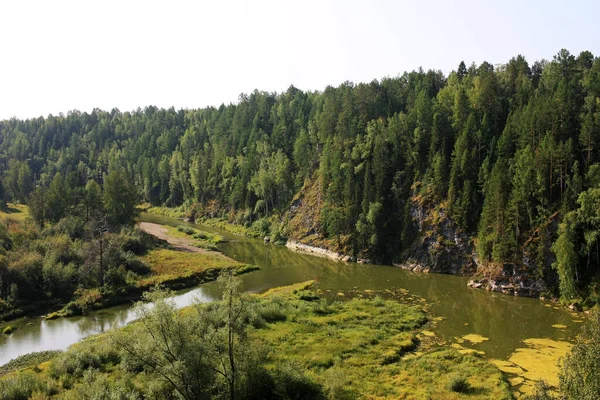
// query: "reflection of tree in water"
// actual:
[[104, 320]]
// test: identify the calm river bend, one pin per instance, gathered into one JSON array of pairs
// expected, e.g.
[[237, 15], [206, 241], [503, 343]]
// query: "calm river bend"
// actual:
[[505, 320]]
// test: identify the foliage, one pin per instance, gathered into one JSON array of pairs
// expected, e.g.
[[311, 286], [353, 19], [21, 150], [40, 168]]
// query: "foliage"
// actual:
[[227, 349], [503, 147], [28, 360], [171, 265], [459, 385], [580, 373]]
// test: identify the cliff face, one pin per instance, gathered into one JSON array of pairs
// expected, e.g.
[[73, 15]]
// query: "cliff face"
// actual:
[[443, 248], [531, 275], [440, 245]]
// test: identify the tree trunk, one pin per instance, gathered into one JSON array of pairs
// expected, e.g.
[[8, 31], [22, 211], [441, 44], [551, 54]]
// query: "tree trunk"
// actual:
[[101, 266]]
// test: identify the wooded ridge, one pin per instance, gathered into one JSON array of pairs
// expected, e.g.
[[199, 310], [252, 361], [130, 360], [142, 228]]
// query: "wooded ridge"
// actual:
[[508, 154]]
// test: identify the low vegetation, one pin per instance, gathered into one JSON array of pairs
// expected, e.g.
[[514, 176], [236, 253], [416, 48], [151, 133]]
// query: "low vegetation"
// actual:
[[170, 266], [201, 239], [261, 347], [76, 266]]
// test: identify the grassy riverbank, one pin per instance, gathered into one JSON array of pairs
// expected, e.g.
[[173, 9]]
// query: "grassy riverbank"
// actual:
[[252, 231], [68, 267], [362, 348]]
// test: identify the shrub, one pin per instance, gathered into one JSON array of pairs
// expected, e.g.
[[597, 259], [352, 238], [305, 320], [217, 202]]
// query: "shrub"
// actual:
[[541, 391], [28, 360], [459, 384], [271, 312], [59, 279], [378, 301], [86, 299], [187, 230], [263, 226], [308, 295], [580, 374], [292, 383], [390, 357], [20, 386], [71, 226], [135, 241], [135, 264]]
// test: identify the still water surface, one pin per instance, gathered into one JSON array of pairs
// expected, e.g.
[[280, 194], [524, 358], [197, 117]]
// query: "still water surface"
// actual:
[[505, 320]]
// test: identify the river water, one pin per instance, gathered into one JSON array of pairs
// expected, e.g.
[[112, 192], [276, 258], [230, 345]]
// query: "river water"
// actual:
[[505, 321]]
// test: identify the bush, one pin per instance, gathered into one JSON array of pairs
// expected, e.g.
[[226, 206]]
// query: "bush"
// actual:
[[26, 272], [541, 391], [98, 386], [580, 374], [187, 230], [271, 312], [59, 279], [459, 385], [77, 360], [390, 357], [86, 300], [21, 386], [134, 240], [73, 227], [292, 383], [308, 295], [134, 264], [262, 226]]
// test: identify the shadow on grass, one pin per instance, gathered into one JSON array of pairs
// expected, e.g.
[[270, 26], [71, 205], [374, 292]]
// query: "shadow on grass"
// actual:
[[13, 210]]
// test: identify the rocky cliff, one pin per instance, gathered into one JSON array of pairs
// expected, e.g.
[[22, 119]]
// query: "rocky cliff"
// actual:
[[439, 246]]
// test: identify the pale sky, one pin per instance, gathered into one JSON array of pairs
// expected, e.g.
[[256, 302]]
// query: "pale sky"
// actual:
[[59, 55]]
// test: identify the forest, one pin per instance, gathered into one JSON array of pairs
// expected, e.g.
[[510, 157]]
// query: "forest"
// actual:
[[510, 153]]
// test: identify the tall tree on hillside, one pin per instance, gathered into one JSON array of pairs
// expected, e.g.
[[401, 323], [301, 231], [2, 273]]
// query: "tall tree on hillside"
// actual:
[[119, 199]]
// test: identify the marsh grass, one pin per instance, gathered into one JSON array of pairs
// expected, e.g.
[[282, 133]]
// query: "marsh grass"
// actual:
[[223, 224], [170, 265], [200, 239], [172, 212], [359, 348], [15, 212], [370, 348]]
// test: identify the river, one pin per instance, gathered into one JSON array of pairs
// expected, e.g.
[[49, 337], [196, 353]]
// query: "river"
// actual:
[[505, 321]]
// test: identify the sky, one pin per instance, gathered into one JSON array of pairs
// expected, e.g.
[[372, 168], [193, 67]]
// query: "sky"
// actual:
[[57, 56]]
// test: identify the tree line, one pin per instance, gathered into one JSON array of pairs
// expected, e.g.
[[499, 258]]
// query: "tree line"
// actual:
[[508, 151]]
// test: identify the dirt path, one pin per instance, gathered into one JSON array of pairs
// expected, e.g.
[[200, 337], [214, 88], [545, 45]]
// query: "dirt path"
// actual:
[[161, 232]]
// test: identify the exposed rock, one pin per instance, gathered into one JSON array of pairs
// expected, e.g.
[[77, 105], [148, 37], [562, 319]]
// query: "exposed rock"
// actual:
[[267, 239], [473, 284], [413, 267], [515, 285], [440, 246], [317, 251]]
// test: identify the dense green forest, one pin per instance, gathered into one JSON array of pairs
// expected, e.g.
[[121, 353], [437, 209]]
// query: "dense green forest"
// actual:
[[511, 153]]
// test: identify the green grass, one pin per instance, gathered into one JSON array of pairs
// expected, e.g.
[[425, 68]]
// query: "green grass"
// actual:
[[16, 212], [288, 290], [171, 265], [172, 212], [229, 227], [362, 348], [198, 238], [374, 349], [31, 360]]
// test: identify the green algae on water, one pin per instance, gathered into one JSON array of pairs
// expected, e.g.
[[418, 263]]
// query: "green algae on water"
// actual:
[[475, 338]]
